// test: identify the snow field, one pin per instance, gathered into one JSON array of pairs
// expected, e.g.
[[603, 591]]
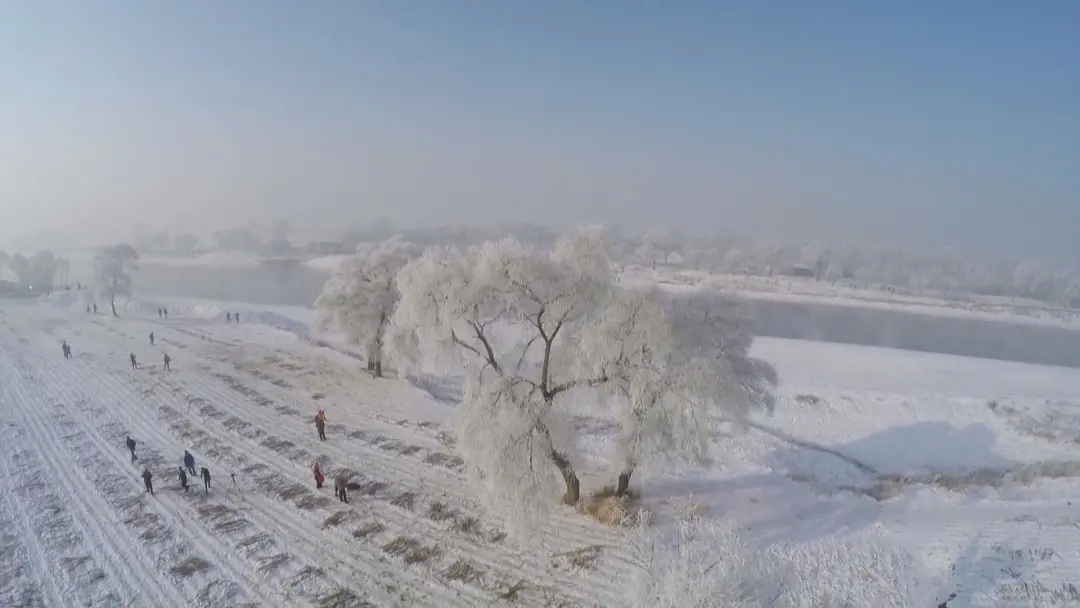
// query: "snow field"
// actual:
[[800, 484], [412, 495]]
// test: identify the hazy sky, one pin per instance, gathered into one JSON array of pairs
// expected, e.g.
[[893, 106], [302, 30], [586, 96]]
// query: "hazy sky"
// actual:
[[924, 123]]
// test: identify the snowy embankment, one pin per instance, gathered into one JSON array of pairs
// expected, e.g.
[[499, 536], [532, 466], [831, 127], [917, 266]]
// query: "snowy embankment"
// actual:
[[795, 289], [869, 449]]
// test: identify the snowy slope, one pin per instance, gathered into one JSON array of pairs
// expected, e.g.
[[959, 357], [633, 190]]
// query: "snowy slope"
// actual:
[[271, 539], [946, 457]]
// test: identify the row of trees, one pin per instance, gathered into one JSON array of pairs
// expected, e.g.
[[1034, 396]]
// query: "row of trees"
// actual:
[[535, 332], [113, 267], [39, 272], [916, 271]]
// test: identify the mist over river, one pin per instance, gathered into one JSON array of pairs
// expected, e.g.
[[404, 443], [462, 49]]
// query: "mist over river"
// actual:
[[299, 285]]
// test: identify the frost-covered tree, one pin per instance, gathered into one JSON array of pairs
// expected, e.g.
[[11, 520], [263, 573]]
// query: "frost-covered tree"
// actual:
[[159, 241], [1032, 278], [506, 315], [238, 239], [360, 296], [834, 271], [43, 270], [673, 367], [736, 261], [63, 270], [113, 266], [20, 265], [185, 243], [659, 244]]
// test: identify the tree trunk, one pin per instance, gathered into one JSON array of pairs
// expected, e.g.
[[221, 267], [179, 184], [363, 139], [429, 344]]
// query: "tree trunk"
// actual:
[[112, 303], [570, 478], [624, 482], [378, 368], [370, 365]]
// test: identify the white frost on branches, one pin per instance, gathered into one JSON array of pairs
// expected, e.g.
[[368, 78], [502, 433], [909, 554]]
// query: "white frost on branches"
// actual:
[[708, 564], [673, 367], [360, 297], [506, 314], [528, 328], [113, 266]]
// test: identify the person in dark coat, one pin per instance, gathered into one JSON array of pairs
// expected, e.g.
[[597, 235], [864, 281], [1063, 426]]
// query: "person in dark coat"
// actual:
[[183, 479], [167, 360], [228, 317], [134, 364], [166, 311], [320, 424], [189, 461], [319, 477], [67, 349], [206, 478], [95, 308], [339, 487], [147, 478], [151, 338], [131, 447]]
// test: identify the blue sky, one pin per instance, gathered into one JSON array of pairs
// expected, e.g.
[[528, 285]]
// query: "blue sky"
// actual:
[[923, 123]]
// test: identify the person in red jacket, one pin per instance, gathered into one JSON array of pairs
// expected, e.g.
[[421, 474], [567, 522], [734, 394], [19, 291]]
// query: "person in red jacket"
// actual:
[[319, 477]]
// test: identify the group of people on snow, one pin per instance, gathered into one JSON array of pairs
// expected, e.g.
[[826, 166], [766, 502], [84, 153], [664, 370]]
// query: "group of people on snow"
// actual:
[[340, 482], [166, 358], [163, 313], [189, 467], [342, 479], [232, 317]]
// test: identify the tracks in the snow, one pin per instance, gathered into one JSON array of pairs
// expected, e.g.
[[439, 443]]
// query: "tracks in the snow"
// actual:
[[410, 534], [116, 550]]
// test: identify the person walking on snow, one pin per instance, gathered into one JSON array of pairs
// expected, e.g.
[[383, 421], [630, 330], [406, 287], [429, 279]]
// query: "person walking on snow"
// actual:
[[320, 424], [167, 359], [131, 448], [228, 317], [151, 338], [339, 487], [319, 477], [95, 308], [166, 312], [189, 461], [147, 478], [183, 479], [67, 349], [206, 478], [134, 364]]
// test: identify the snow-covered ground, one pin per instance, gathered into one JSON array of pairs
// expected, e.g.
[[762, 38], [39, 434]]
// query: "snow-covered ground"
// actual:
[[967, 464], [796, 289]]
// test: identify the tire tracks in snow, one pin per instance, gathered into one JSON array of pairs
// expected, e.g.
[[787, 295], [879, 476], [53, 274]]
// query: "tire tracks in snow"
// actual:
[[92, 510], [151, 434], [504, 563], [509, 563], [448, 484], [43, 587], [173, 518]]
